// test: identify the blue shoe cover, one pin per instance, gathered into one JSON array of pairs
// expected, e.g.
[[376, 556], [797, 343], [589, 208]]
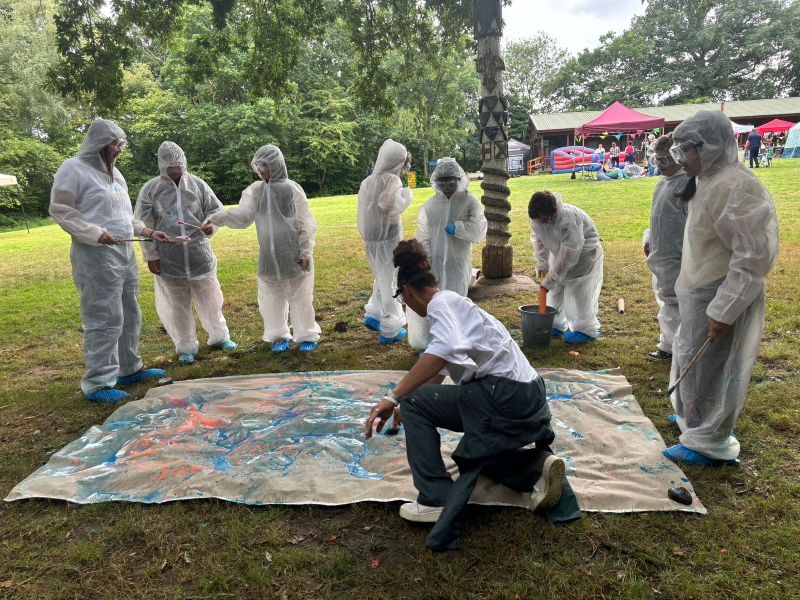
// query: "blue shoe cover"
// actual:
[[308, 346], [186, 359], [576, 337], [557, 333], [372, 323], [107, 396], [400, 335], [280, 346], [227, 345], [681, 454], [140, 376]]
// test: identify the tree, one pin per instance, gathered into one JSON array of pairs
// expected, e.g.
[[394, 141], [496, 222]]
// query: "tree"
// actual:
[[530, 64], [681, 50]]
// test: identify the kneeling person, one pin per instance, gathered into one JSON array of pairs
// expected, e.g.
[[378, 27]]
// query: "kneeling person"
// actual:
[[173, 203], [569, 257], [499, 403]]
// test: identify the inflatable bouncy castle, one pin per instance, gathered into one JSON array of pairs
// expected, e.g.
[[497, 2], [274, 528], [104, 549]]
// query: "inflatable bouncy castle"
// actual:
[[572, 158]]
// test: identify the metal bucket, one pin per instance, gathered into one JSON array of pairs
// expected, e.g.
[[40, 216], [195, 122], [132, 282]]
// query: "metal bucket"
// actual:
[[537, 328]]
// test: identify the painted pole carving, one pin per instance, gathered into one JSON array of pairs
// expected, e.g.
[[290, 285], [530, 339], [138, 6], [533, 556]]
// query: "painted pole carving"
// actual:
[[498, 255]]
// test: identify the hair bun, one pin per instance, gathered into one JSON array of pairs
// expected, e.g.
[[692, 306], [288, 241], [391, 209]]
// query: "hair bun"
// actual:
[[410, 254]]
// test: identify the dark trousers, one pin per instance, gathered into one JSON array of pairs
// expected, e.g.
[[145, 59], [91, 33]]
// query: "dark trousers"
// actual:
[[615, 161], [434, 406], [753, 157]]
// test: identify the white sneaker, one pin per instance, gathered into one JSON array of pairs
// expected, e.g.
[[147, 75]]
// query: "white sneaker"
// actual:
[[547, 491], [419, 513]]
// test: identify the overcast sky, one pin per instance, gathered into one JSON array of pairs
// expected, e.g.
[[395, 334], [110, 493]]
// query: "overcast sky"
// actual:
[[575, 24]]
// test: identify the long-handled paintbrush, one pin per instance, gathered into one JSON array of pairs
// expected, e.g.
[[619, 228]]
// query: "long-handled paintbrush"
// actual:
[[688, 368], [138, 240], [188, 224]]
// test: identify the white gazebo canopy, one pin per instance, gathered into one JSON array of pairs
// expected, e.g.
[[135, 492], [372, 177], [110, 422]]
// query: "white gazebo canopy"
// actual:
[[7, 180], [741, 128]]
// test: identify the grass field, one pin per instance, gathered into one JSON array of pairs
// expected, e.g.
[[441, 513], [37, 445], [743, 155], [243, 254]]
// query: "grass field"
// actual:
[[746, 547]]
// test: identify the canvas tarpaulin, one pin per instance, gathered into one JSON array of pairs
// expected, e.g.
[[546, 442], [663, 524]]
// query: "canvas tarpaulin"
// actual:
[[297, 438]]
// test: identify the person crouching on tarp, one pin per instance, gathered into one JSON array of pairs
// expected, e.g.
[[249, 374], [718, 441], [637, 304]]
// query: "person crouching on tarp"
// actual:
[[499, 403], [566, 245], [285, 228], [447, 226], [729, 247], [185, 272]]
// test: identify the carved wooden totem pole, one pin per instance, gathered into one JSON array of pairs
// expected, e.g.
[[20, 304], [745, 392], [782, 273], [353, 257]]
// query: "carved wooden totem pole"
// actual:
[[498, 254]]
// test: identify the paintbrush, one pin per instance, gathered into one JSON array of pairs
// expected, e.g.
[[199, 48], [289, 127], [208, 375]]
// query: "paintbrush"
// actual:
[[138, 240], [189, 224], [688, 368]]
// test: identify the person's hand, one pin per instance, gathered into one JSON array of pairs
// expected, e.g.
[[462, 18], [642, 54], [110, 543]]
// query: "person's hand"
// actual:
[[647, 249], [160, 236], [450, 228], [106, 239], [304, 262], [382, 410], [207, 228], [154, 266], [716, 329], [397, 419]]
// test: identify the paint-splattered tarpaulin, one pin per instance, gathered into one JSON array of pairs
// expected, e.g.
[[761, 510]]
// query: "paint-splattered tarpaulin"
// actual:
[[297, 438]]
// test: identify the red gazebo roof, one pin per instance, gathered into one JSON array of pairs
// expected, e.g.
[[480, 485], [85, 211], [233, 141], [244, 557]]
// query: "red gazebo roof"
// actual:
[[619, 117], [775, 125]]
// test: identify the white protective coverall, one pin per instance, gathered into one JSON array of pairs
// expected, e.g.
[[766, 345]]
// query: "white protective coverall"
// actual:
[[450, 255], [85, 202], [665, 236], [569, 250], [188, 270], [381, 202], [285, 229], [729, 246]]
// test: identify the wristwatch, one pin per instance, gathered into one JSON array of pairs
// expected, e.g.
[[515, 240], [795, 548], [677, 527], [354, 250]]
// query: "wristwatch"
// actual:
[[392, 398]]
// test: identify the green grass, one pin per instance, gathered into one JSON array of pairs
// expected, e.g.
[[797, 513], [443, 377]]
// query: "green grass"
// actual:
[[746, 547]]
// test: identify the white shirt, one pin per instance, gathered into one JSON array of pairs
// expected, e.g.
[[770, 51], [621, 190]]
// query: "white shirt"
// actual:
[[473, 342]]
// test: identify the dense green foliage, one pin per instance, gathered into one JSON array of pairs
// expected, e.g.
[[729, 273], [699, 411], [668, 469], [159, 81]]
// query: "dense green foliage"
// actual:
[[328, 81]]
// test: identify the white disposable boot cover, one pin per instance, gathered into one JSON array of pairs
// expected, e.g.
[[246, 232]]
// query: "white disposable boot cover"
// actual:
[[381, 202], [85, 202], [569, 250], [730, 245], [285, 229], [188, 270]]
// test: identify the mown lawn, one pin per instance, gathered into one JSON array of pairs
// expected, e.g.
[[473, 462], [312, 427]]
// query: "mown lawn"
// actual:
[[746, 547]]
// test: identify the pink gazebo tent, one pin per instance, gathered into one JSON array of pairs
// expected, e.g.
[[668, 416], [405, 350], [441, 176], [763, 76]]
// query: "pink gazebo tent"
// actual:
[[776, 125], [619, 117]]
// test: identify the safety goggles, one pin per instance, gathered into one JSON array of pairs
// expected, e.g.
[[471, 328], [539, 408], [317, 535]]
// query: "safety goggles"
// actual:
[[119, 144], [680, 152], [175, 167], [446, 185], [259, 166], [662, 162], [548, 221]]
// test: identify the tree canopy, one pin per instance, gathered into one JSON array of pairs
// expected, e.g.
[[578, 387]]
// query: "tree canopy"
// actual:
[[329, 80]]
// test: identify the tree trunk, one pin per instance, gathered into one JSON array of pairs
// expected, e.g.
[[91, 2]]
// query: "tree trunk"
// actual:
[[498, 254]]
